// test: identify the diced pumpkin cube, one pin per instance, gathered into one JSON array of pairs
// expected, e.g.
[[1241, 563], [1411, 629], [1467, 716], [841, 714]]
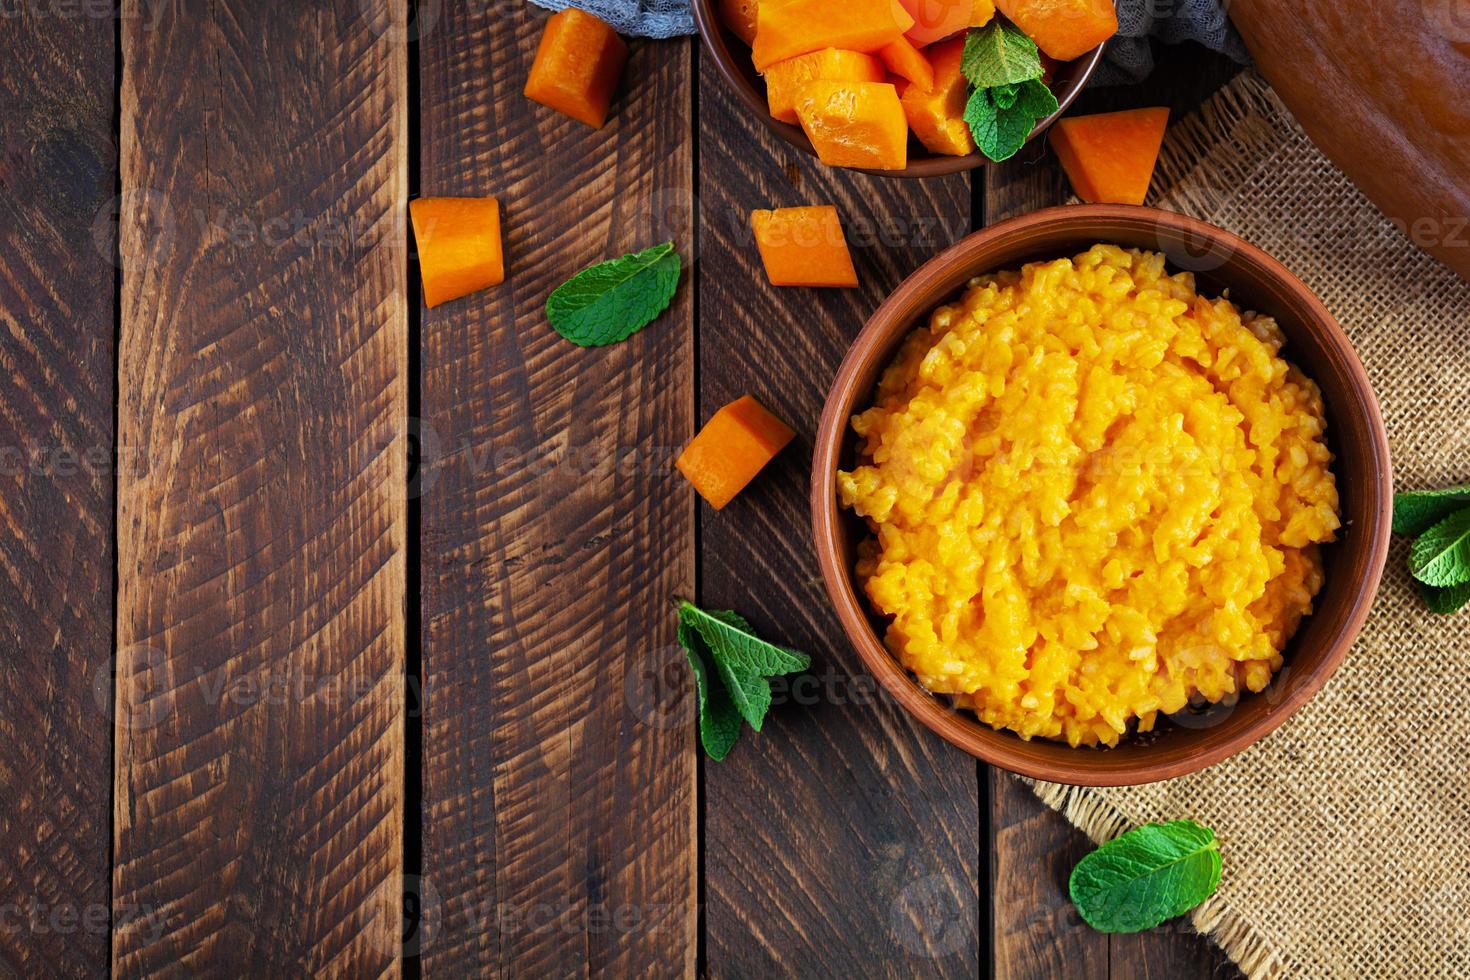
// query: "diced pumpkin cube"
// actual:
[[739, 17], [785, 78], [734, 445], [577, 66], [854, 124], [936, 19], [907, 61], [803, 246], [1064, 29], [937, 116], [981, 12], [458, 242], [1110, 157], [787, 28]]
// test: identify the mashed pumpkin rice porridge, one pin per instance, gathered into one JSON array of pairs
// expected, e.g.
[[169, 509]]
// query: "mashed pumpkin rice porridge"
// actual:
[[1094, 496]]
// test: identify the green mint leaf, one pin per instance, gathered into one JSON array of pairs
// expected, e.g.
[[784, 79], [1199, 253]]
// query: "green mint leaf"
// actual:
[[1441, 555], [1000, 131], [750, 692], [719, 722], [1416, 511], [1445, 600], [1148, 875], [999, 53], [613, 300], [742, 660], [1036, 100], [1004, 96]]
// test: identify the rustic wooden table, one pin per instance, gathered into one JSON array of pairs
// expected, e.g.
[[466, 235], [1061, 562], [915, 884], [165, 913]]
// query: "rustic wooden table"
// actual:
[[334, 670]]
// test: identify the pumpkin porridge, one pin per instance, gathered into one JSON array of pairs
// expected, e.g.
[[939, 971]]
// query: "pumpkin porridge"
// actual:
[[1094, 496]]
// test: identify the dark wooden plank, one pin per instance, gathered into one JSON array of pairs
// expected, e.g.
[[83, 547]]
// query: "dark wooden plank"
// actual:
[[262, 388], [57, 175], [843, 840], [560, 796], [1035, 929]]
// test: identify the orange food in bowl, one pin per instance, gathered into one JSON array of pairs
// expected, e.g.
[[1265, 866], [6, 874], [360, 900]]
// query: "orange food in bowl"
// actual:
[[854, 124], [937, 116], [785, 78], [787, 28], [907, 61], [803, 247], [734, 445], [1063, 29], [739, 16], [1095, 496], [458, 240], [577, 66]]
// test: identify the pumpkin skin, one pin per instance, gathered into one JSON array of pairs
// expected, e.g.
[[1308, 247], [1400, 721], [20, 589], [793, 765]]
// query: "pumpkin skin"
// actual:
[[1390, 112]]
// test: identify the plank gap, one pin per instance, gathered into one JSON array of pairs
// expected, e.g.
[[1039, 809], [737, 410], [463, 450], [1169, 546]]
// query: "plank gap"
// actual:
[[413, 716]]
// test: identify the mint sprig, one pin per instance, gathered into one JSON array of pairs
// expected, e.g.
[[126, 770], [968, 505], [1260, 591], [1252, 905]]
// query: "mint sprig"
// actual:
[[721, 644], [1007, 95], [1147, 876], [1439, 558], [1001, 119], [999, 53], [613, 300], [1416, 511]]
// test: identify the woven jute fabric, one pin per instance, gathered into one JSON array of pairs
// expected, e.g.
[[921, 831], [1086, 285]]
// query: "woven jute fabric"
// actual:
[[1346, 833]]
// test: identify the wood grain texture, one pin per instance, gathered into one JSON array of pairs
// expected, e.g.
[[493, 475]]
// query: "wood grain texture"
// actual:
[[1036, 932], [560, 796], [259, 765], [844, 839], [57, 175]]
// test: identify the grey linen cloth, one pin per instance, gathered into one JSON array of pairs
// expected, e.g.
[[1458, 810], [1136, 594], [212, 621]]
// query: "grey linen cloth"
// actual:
[[1129, 58]]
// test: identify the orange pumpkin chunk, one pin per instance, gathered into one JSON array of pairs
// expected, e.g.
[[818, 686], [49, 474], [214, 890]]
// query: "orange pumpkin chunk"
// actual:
[[734, 445], [937, 19], [1110, 157], [787, 28], [459, 245], [981, 12], [785, 78], [1064, 29], [854, 124], [937, 117], [803, 246], [577, 66], [739, 17], [907, 61]]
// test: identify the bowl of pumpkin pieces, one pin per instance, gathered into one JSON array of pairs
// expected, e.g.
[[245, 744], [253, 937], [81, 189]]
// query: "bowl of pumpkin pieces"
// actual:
[[909, 88]]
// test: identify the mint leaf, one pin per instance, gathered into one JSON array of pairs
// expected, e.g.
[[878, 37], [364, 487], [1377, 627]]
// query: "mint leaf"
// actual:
[[1445, 600], [999, 54], [1416, 511], [1150, 874], [613, 300], [1441, 555], [1000, 131], [1004, 96], [719, 722], [742, 660], [1036, 100]]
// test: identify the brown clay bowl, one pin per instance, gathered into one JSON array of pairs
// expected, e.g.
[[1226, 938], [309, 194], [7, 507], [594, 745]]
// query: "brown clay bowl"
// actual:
[[1353, 564], [732, 60]]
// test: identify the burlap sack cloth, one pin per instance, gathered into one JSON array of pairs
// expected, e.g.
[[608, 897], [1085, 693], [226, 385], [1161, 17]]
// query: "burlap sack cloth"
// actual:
[[1346, 833]]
